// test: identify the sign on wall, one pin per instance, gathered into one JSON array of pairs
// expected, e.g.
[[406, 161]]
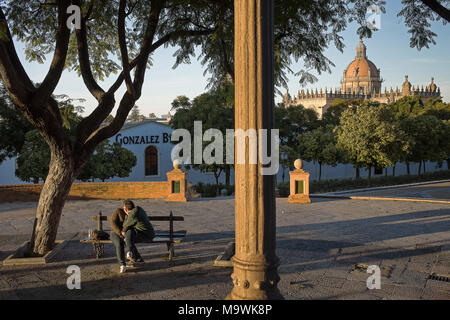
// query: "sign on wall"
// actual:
[[124, 140]]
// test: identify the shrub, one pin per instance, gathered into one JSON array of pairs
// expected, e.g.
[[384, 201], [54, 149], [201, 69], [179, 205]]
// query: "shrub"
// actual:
[[284, 189], [209, 190], [348, 184]]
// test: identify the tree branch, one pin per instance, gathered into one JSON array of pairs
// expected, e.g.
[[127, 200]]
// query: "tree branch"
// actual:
[[97, 133], [112, 128], [12, 73], [83, 58], [123, 47], [59, 57], [43, 113], [127, 102], [438, 9], [161, 41]]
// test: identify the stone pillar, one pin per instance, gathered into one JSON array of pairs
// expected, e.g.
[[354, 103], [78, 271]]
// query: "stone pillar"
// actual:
[[177, 180], [255, 262], [299, 184]]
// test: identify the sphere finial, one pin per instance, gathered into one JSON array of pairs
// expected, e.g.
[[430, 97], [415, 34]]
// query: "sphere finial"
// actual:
[[298, 164], [176, 164]]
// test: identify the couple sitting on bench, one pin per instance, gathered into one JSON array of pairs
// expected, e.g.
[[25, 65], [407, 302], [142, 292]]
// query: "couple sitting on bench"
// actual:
[[130, 225]]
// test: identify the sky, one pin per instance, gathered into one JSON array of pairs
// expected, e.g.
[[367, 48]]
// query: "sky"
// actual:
[[388, 48]]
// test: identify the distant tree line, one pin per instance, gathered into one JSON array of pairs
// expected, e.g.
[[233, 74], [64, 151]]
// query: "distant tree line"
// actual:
[[370, 135], [364, 133]]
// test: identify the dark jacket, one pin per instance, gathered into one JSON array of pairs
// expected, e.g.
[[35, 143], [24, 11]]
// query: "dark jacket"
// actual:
[[117, 220], [137, 219]]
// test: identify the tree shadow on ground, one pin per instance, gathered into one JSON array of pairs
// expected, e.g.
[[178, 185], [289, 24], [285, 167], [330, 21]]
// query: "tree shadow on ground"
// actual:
[[303, 254], [100, 278]]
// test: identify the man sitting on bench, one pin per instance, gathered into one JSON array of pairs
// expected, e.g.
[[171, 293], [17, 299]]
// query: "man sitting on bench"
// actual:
[[117, 238], [136, 228]]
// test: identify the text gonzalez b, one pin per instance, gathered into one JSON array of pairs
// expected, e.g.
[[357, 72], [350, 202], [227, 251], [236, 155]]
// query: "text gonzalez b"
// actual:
[[229, 309]]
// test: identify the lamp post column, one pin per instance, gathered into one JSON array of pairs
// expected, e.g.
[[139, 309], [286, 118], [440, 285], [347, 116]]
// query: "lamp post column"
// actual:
[[255, 263]]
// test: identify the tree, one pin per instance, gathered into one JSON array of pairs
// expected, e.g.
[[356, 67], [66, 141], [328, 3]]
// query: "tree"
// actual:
[[119, 37], [135, 114], [109, 161], [407, 106], [437, 108], [292, 121], [370, 136], [13, 127], [303, 30], [113, 36], [215, 109], [423, 126], [447, 146], [288, 156], [181, 102], [34, 157], [332, 115], [429, 139], [319, 145]]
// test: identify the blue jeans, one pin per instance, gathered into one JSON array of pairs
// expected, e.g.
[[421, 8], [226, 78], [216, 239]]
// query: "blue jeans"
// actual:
[[132, 237], [119, 244]]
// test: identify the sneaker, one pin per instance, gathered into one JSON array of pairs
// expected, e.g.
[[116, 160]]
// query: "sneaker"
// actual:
[[130, 257], [123, 268]]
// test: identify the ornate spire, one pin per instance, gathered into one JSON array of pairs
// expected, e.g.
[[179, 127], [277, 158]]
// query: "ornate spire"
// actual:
[[432, 86], [361, 49]]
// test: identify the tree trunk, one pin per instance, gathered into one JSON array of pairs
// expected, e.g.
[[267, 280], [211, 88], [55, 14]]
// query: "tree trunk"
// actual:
[[424, 166], [448, 164], [357, 173], [51, 202], [227, 176], [370, 176], [420, 167], [393, 170], [320, 170], [217, 182], [408, 172]]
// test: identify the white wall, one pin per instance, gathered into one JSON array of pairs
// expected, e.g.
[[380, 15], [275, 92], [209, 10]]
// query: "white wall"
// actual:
[[155, 129], [7, 172]]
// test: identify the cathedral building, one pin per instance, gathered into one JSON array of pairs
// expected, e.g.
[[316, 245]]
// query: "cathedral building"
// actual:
[[361, 80]]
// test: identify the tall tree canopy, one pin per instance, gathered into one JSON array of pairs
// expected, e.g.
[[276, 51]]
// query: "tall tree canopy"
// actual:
[[215, 110], [370, 136], [319, 145]]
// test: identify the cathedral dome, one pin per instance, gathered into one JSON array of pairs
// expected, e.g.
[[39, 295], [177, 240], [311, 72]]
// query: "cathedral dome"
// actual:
[[361, 66], [361, 76]]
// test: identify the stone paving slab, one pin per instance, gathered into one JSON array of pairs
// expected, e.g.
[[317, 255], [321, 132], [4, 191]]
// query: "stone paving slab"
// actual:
[[318, 244], [439, 191]]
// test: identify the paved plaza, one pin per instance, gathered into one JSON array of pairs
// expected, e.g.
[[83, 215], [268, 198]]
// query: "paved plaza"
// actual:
[[324, 250], [436, 191]]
